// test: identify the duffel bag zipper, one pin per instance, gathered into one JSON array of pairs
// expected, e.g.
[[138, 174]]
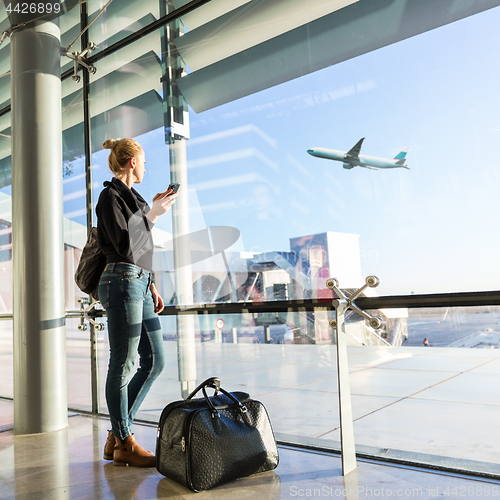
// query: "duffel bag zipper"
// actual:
[[185, 445], [184, 442]]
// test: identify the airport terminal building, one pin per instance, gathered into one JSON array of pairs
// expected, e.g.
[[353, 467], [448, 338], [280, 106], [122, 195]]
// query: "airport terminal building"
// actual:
[[353, 290]]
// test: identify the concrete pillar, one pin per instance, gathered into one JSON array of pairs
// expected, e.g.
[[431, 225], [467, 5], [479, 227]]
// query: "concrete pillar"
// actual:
[[40, 393]]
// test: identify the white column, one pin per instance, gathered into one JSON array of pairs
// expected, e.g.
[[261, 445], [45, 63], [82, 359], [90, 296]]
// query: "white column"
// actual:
[[40, 393], [186, 350]]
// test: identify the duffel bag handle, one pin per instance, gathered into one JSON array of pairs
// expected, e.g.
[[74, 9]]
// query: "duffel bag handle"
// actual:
[[212, 382], [214, 409], [230, 396]]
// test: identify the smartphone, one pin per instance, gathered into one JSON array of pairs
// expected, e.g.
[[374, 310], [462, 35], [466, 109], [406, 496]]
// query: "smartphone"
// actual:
[[174, 187]]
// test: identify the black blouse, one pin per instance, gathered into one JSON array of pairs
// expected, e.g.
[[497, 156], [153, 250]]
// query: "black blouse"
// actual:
[[123, 230]]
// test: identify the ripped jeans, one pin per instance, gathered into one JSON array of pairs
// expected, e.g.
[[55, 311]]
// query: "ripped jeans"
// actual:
[[133, 328]]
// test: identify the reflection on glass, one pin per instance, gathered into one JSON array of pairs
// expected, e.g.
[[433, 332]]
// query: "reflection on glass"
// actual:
[[4, 69], [74, 187], [5, 265], [302, 219], [436, 398], [267, 355], [422, 383], [248, 161], [407, 398], [471, 327], [78, 366], [74, 196], [119, 20], [5, 214], [6, 355], [69, 24]]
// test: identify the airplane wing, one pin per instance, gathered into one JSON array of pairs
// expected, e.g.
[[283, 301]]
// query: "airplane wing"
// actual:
[[354, 152]]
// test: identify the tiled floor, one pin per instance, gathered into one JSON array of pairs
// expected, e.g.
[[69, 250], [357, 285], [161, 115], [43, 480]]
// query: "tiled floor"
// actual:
[[68, 465]]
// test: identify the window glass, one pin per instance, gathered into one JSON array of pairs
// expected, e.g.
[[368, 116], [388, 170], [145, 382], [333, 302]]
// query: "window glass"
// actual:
[[5, 215], [297, 219], [421, 394], [303, 218], [4, 59], [6, 355], [68, 21], [425, 229], [78, 366], [74, 187], [6, 367], [119, 20], [69, 24], [125, 101]]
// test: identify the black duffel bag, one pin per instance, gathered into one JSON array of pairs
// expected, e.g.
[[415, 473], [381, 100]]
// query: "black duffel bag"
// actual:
[[208, 441]]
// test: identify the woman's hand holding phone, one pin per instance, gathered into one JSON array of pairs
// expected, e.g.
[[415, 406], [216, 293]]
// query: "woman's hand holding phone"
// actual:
[[162, 202], [171, 190]]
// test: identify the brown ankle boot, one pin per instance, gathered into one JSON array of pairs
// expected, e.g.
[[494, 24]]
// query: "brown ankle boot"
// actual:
[[109, 446], [128, 452]]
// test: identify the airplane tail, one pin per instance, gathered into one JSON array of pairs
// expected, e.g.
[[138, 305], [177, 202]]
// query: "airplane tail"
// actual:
[[402, 155]]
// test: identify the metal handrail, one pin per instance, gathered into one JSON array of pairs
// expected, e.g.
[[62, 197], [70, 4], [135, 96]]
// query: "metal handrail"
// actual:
[[458, 299]]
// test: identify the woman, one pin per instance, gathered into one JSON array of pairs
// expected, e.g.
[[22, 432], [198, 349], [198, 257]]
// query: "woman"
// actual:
[[128, 294]]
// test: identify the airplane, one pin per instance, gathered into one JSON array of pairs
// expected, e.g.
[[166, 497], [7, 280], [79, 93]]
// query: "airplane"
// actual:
[[352, 158]]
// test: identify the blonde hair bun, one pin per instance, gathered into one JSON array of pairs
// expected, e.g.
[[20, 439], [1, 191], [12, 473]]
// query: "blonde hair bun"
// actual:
[[122, 150], [109, 144]]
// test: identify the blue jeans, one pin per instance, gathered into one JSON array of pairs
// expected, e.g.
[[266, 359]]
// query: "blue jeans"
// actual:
[[133, 328]]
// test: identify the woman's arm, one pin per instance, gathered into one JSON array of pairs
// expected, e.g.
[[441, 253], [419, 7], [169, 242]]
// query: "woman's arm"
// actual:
[[157, 299]]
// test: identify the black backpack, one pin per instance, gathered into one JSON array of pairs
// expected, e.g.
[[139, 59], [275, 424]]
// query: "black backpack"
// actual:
[[91, 265]]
